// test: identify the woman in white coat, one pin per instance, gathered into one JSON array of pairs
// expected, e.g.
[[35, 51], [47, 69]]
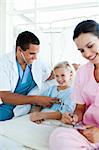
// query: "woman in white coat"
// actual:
[[20, 72]]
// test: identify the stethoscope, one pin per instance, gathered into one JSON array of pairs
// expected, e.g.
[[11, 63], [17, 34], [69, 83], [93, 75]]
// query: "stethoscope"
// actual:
[[24, 58]]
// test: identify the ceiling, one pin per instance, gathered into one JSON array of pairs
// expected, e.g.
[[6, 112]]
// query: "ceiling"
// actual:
[[46, 14]]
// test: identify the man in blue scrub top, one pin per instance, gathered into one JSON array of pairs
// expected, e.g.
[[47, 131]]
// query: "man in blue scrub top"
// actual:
[[20, 72]]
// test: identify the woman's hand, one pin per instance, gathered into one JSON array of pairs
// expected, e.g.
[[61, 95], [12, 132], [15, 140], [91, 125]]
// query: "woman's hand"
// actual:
[[91, 133], [69, 118]]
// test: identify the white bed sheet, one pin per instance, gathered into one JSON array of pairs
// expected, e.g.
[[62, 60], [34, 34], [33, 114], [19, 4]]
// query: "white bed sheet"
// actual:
[[24, 134], [9, 144]]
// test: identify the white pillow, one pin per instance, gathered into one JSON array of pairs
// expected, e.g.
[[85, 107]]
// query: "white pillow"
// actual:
[[20, 110]]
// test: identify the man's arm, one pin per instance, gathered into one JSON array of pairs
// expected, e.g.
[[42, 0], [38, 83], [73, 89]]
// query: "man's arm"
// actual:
[[51, 77], [18, 99]]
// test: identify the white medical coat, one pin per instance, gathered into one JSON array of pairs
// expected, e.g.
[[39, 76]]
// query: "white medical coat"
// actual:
[[9, 72]]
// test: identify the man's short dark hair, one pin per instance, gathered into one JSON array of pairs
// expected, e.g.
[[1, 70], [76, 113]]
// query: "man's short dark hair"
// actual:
[[26, 38]]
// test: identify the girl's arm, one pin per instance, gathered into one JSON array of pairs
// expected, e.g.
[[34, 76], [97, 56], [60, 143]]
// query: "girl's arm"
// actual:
[[37, 116], [36, 109], [52, 115]]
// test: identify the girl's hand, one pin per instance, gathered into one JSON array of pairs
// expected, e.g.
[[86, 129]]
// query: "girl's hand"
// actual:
[[37, 117], [91, 133]]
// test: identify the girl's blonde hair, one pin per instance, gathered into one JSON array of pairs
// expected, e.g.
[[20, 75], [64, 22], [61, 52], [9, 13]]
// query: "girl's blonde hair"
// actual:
[[63, 64], [67, 66]]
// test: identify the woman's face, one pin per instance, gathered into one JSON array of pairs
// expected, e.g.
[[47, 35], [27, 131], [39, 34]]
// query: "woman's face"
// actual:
[[88, 45]]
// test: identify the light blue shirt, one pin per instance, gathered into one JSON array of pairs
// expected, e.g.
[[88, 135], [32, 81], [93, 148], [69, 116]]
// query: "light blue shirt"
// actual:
[[66, 105]]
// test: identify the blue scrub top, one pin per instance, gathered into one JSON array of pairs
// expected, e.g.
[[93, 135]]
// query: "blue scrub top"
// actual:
[[24, 85], [26, 81]]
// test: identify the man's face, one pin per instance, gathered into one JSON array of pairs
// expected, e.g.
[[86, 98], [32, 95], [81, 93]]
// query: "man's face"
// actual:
[[30, 54]]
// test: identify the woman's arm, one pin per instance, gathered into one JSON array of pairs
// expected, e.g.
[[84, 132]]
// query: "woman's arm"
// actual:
[[92, 134], [73, 118], [79, 111]]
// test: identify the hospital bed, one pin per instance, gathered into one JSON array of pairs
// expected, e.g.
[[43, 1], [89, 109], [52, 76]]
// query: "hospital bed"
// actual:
[[22, 134]]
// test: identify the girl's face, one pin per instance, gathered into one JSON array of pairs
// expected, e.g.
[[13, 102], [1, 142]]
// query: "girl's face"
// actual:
[[88, 45], [62, 76]]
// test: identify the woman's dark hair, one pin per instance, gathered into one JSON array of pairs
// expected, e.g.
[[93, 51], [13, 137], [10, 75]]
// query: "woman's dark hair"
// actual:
[[87, 26], [26, 38]]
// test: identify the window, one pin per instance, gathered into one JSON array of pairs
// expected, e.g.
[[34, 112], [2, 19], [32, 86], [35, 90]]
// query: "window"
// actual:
[[52, 21]]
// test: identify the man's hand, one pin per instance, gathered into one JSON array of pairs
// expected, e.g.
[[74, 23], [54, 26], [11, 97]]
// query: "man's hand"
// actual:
[[46, 101], [92, 134]]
